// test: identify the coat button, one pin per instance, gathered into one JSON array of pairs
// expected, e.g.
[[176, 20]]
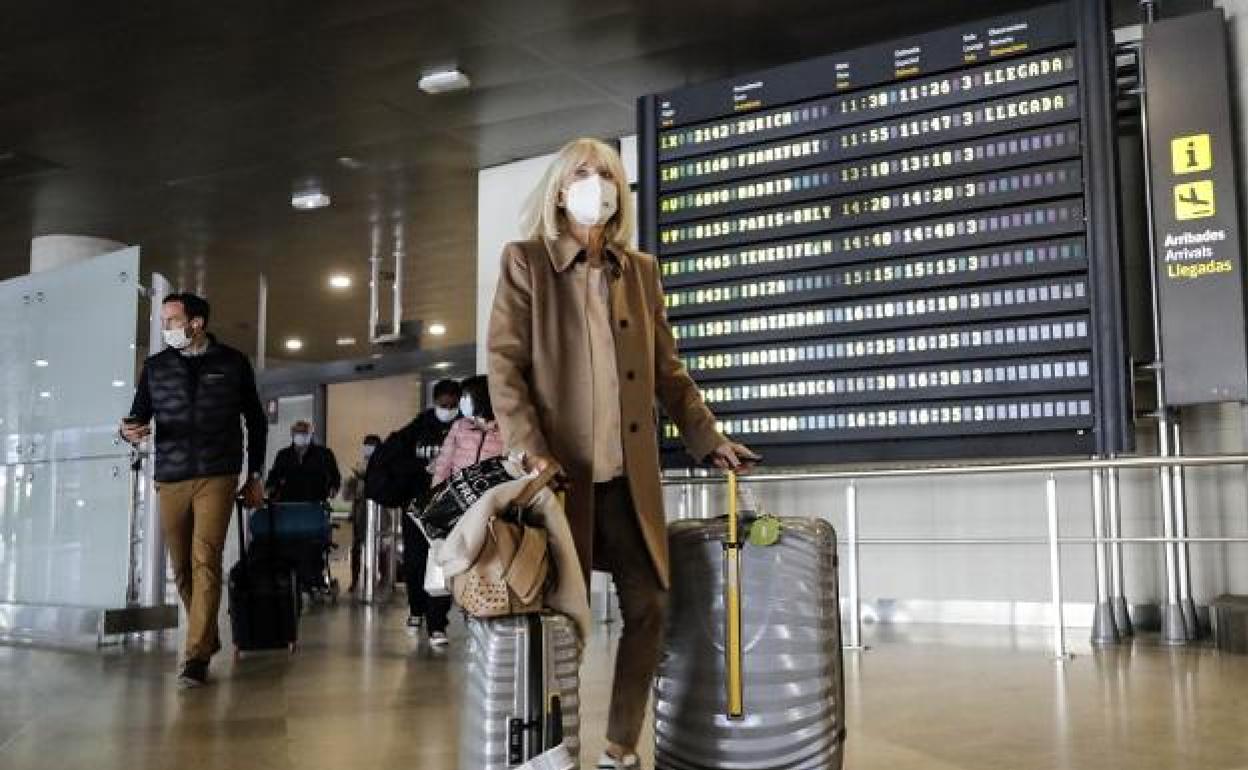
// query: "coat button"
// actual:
[[632, 427], [631, 375], [623, 323]]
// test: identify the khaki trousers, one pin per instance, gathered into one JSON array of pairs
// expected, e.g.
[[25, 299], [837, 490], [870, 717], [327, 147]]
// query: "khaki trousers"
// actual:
[[620, 550], [195, 517]]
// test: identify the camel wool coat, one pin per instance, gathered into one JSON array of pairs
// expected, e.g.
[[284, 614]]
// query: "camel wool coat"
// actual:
[[541, 378]]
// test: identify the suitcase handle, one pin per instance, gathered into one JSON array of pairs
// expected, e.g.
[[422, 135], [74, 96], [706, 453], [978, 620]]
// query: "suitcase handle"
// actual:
[[540, 482], [242, 526], [733, 663]]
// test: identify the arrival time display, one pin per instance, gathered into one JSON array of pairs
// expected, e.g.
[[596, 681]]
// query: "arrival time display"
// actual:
[[865, 261]]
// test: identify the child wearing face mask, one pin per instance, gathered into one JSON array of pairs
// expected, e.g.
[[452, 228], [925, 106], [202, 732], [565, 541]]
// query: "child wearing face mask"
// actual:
[[474, 436]]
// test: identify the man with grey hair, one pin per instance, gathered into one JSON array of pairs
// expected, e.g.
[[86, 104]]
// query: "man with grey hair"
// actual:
[[304, 472]]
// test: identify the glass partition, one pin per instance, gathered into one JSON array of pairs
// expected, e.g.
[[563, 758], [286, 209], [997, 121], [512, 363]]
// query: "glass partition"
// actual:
[[67, 365]]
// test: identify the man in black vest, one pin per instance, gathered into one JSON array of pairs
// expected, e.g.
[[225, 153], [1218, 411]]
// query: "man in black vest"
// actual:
[[304, 472], [199, 392]]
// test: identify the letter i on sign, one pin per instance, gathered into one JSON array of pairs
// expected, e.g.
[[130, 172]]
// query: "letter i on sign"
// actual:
[[1189, 154]]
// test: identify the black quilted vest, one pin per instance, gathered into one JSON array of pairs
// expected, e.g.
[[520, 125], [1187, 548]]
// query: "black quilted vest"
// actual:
[[198, 411]]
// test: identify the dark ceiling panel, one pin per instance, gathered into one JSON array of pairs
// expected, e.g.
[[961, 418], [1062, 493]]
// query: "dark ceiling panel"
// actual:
[[185, 126]]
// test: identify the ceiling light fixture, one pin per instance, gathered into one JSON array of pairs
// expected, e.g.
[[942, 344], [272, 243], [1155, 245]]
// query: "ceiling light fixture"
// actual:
[[340, 281], [294, 343], [437, 329], [446, 80], [119, 383], [345, 341], [41, 363], [46, 394], [442, 365], [307, 201]]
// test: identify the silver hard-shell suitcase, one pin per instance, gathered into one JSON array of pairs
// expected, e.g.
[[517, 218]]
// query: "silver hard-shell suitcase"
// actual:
[[789, 711], [522, 690]]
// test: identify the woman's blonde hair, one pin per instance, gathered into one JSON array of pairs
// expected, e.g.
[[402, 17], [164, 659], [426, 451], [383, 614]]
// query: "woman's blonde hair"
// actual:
[[542, 215]]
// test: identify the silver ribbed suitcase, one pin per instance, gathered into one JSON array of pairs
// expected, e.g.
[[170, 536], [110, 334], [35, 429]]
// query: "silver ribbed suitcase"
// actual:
[[791, 694], [502, 726]]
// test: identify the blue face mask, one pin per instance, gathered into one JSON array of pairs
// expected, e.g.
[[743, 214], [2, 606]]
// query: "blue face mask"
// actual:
[[302, 439]]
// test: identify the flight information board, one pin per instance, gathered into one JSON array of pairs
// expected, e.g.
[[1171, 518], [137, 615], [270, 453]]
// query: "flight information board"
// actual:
[[904, 251]]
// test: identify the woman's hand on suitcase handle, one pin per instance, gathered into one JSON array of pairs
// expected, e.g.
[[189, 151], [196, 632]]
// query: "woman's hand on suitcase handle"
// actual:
[[733, 456]]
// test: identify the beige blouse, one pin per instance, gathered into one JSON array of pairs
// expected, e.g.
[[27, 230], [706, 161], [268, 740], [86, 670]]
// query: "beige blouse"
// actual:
[[608, 447]]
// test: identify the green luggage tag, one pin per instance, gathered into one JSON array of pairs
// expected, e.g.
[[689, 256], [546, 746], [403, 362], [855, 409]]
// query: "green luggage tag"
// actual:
[[765, 530]]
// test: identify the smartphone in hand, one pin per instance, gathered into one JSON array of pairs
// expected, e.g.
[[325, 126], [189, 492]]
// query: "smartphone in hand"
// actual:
[[134, 429]]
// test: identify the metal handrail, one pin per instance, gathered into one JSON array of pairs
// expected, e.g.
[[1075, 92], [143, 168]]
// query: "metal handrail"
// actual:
[[1056, 466], [1042, 540], [123, 452], [1053, 540]]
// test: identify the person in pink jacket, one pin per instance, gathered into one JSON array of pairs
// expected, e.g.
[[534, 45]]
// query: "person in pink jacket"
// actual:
[[473, 437]]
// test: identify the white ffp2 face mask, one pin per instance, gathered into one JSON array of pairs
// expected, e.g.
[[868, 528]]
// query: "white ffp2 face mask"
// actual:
[[465, 406], [176, 338], [591, 201], [445, 415]]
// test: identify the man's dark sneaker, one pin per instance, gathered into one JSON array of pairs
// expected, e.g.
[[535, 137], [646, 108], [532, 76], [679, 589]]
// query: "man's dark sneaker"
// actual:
[[194, 674]]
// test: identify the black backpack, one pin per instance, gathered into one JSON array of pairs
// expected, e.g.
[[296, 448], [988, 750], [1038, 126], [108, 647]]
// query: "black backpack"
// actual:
[[395, 474]]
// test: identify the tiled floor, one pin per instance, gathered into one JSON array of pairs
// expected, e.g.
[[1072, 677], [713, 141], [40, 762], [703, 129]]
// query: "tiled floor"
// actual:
[[361, 694]]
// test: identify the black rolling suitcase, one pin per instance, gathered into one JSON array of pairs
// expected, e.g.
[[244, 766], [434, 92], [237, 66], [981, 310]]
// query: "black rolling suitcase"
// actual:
[[264, 598]]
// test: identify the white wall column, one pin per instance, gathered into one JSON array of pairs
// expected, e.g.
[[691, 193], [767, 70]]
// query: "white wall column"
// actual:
[[48, 252]]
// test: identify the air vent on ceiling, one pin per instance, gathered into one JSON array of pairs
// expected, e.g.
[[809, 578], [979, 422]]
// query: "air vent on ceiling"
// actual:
[[15, 165]]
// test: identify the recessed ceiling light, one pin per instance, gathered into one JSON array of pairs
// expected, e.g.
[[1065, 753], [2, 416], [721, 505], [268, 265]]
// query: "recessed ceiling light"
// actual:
[[82, 503], [344, 341], [119, 383], [41, 363], [294, 343], [441, 82], [346, 161], [46, 394], [309, 200], [437, 329], [340, 281], [443, 365]]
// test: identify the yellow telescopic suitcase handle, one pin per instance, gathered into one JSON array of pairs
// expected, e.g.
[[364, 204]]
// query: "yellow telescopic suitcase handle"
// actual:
[[732, 605]]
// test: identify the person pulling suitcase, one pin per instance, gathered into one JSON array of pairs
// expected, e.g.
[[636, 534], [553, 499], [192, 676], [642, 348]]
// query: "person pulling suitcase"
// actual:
[[579, 349], [195, 391]]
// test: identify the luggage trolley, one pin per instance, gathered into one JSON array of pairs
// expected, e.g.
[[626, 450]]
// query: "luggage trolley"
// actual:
[[302, 533]]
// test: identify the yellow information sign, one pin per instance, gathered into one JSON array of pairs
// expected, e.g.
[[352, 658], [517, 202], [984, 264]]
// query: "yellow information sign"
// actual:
[[1194, 200], [1189, 154]]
